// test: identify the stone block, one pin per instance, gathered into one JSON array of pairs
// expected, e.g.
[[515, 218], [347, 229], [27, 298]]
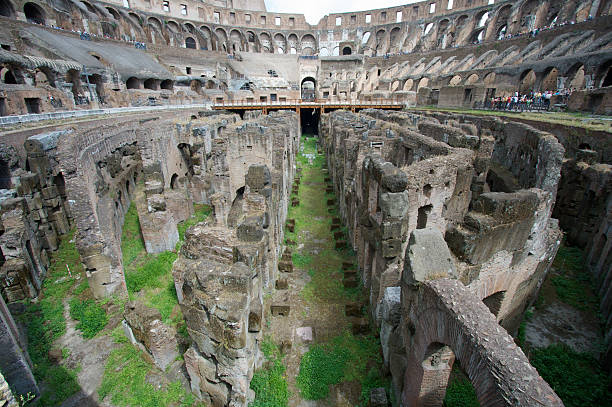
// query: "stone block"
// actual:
[[378, 397], [282, 284], [280, 310], [391, 248], [285, 267], [427, 257]]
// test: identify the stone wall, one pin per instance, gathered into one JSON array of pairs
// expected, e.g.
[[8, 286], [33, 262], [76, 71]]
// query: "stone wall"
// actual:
[[487, 186], [229, 262]]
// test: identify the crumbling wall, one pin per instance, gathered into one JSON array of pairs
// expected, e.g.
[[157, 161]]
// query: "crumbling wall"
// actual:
[[228, 262], [397, 173]]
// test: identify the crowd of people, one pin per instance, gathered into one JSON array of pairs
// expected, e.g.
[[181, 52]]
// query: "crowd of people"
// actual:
[[85, 36], [530, 101]]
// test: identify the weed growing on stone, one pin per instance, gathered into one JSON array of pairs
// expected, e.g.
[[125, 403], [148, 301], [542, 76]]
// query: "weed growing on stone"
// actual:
[[345, 358], [125, 382], [269, 383], [91, 316], [200, 214]]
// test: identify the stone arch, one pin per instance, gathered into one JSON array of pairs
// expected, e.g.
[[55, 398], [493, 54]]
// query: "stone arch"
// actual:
[[190, 43], [423, 83], [293, 42], [132, 83], [427, 29], [381, 45], [221, 39], [174, 181], [347, 50], [481, 18], [603, 78], [173, 26], [527, 18], [44, 76], [501, 21], [9, 77], [207, 42], [489, 79], [395, 85], [89, 7], [167, 84], [477, 36], [74, 77], [150, 83], [190, 28], [237, 40], [575, 76], [308, 44], [461, 21], [155, 23], [394, 39], [527, 81], [324, 52], [472, 79], [549, 79], [408, 84], [7, 9], [280, 43], [308, 88], [113, 13], [365, 38], [455, 80], [34, 13], [266, 42], [135, 18]]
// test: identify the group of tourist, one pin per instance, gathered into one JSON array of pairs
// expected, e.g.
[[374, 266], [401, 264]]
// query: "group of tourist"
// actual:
[[530, 101], [85, 36]]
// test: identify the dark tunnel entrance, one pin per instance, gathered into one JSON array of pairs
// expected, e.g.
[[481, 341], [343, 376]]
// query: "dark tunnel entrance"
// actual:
[[310, 121]]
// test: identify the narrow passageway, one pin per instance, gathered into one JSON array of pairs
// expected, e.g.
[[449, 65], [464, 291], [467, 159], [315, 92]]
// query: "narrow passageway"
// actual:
[[330, 356]]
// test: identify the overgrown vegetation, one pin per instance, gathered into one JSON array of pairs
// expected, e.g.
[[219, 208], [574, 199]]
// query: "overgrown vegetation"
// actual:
[[269, 383], [345, 358], [91, 316], [577, 378], [45, 323], [460, 392], [125, 381], [572, 281], [148, 277]]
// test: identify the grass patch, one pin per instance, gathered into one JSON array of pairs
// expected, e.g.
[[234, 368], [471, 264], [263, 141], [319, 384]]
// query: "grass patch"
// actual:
[[344, 358], [301, 260], [91, 316], [572, 281], [45, 323], [577, 378], [460, 392], [269, 383], [126, 385], [148, 275]]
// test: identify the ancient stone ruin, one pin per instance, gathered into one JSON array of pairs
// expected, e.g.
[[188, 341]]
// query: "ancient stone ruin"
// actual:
[[197, 196]]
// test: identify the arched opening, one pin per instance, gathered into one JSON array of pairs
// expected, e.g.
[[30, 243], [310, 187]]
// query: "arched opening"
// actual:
[[89, 7], [455, 80], [6, 8], [482, 19], [576, 73], [427, 29], [8, 77], [150, 84], [74, 77], [346, 51], [549, 82], [478, 36], [437, 366], [190, 43], [494, 302], [167, 84], [113, 12], [472, 79], [34, 14], [308, 90], [527, 81], [132, 83], [423, 83], [98, 81], [365, 38], [606, 74], [174, 181], [501, 33]]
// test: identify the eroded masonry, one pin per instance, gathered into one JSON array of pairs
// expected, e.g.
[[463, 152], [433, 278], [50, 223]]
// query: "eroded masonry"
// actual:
[[154, 249]]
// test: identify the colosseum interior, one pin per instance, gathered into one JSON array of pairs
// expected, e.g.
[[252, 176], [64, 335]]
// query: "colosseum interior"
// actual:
[[209, 203]]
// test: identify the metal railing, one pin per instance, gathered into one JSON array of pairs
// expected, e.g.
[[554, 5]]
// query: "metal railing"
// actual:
[[308, 103]]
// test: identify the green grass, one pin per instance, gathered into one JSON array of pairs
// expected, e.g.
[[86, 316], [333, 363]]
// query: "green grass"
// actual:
[[344, 358], [269, 383], [460, 392], [125, 382], [572, 281], [149, 277], [91, 316], [45, 323], [577, 378], [301, 260]]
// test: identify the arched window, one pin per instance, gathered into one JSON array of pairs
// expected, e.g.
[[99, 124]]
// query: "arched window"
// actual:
[[132, 83], [190, 43], [34, 14], [346, 51]]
